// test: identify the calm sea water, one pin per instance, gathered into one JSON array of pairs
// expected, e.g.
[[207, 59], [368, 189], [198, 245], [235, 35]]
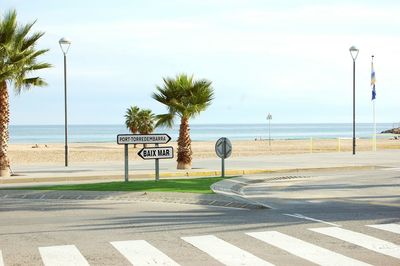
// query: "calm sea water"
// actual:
[[108, 133]]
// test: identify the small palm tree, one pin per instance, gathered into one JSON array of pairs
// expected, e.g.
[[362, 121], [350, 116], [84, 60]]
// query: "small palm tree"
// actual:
[[18, 60], [185, 98], [131, 120], [146, 120]]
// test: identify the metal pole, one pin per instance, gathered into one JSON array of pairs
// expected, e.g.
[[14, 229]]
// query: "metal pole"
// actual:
[[65, 110], [157, 168], [374, 135], [269, 133], [126, 163], [354, 106], [223, 159]]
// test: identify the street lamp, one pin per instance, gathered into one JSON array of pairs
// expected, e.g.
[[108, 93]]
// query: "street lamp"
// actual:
[[354, 53], [269, 118], [65, 44]]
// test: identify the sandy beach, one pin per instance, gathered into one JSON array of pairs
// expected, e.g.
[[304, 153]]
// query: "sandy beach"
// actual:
[[25, 154]]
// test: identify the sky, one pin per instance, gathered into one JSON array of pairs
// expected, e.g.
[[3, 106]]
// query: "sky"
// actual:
[[287, 58]]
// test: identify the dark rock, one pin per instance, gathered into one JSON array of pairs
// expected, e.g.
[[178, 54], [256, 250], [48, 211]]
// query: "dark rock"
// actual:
[[392, 131]]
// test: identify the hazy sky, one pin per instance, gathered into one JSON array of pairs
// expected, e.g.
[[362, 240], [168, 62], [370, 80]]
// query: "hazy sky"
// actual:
[[290, 58]]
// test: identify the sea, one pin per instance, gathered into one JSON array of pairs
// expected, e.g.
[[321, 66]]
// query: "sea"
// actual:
[[35, 134]]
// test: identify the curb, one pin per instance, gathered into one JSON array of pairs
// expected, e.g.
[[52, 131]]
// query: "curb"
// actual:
[[228, 191], [19, 180], [233, 187]]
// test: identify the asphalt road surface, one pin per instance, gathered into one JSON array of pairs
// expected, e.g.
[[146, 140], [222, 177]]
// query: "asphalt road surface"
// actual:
[[340, 218]]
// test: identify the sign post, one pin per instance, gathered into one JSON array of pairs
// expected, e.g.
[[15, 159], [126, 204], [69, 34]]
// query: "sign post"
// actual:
[[157, 167], [126, 163], [162, 153], [157, 153], [223, 148]]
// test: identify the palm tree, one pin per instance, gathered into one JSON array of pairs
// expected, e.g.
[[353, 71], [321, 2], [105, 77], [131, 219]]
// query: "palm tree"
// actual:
[[146, 120], [185, 98], [18, 60], [131, 120]]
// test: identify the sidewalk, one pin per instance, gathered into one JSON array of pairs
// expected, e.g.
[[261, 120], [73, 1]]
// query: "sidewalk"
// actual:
[[111, 171]]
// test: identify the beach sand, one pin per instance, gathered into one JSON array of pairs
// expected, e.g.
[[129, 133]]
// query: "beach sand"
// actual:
[[27, 154]]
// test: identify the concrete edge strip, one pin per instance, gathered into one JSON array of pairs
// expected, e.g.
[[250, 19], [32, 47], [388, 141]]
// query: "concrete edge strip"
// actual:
[[65, 195], [183, 174]]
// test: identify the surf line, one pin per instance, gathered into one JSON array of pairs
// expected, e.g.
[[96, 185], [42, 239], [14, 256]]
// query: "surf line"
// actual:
[[300, 216]]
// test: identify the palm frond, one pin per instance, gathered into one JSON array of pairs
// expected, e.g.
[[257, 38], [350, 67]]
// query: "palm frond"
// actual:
[[18, 56], [166, 120]]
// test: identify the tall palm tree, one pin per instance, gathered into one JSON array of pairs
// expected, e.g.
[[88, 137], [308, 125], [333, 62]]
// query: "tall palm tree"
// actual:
[[131, 120], [18, 60], [185, 98]]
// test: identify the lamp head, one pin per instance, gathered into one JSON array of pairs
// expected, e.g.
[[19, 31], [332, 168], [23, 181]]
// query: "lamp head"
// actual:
[[64, 44], [354, 52]]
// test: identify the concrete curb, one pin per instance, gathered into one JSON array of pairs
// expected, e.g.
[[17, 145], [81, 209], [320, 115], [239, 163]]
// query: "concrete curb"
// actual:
[[229, 188], [234, 187], [239, 172]]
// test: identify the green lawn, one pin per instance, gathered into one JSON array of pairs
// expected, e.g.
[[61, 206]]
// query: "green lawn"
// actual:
[[195, 185]]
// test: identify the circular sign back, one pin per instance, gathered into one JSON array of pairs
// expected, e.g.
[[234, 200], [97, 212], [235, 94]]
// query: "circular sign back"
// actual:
[[223, 148]]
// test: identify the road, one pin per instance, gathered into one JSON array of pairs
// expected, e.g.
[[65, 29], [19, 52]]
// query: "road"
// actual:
[[339, 218]]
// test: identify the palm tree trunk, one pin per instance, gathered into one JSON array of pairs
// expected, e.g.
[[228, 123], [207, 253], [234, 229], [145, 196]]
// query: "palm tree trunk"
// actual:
[[184, 145], [4, 121]]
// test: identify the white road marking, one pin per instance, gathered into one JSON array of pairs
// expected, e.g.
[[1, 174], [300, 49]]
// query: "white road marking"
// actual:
[[304, 249], [140, 252], [365, 241], [391, 169], [394, 228], [67, 255], [300, 216], [1, 259], [223, 251]]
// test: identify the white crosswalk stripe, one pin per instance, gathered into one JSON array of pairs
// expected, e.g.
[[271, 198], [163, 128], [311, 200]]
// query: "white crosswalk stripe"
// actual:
[[223, 251], [140, 252], [67, 255], [391, 169], [304, 249], [362, 240], [394, 228], [1, 259]]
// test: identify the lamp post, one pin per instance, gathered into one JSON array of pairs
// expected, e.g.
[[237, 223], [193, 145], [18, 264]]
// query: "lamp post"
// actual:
[[65, 44], [354, 53], [269, 118]]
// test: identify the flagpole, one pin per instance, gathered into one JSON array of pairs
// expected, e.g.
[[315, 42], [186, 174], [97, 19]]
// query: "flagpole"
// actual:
[[373, 105], [374, 133]]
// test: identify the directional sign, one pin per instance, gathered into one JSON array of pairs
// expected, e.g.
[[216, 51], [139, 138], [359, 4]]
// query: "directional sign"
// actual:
[[223, 148], [143, 138], [156, 153]]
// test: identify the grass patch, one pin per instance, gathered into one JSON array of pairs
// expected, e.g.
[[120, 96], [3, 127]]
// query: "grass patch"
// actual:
[[195, 185]]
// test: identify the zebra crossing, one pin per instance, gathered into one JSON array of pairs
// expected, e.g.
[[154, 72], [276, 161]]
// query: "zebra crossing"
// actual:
[[62, 256], [141, 252], [1, 259], [224, 252]]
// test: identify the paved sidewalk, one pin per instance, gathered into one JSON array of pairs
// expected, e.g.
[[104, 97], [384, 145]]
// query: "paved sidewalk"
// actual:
[[100, 171]]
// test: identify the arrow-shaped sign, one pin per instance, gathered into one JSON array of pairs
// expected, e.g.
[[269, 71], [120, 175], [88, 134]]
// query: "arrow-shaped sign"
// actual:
[[143, 138], [157, 153]]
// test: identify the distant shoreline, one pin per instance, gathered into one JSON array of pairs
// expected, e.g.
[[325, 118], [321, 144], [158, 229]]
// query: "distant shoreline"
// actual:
[[205, 132], [30, 154]]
